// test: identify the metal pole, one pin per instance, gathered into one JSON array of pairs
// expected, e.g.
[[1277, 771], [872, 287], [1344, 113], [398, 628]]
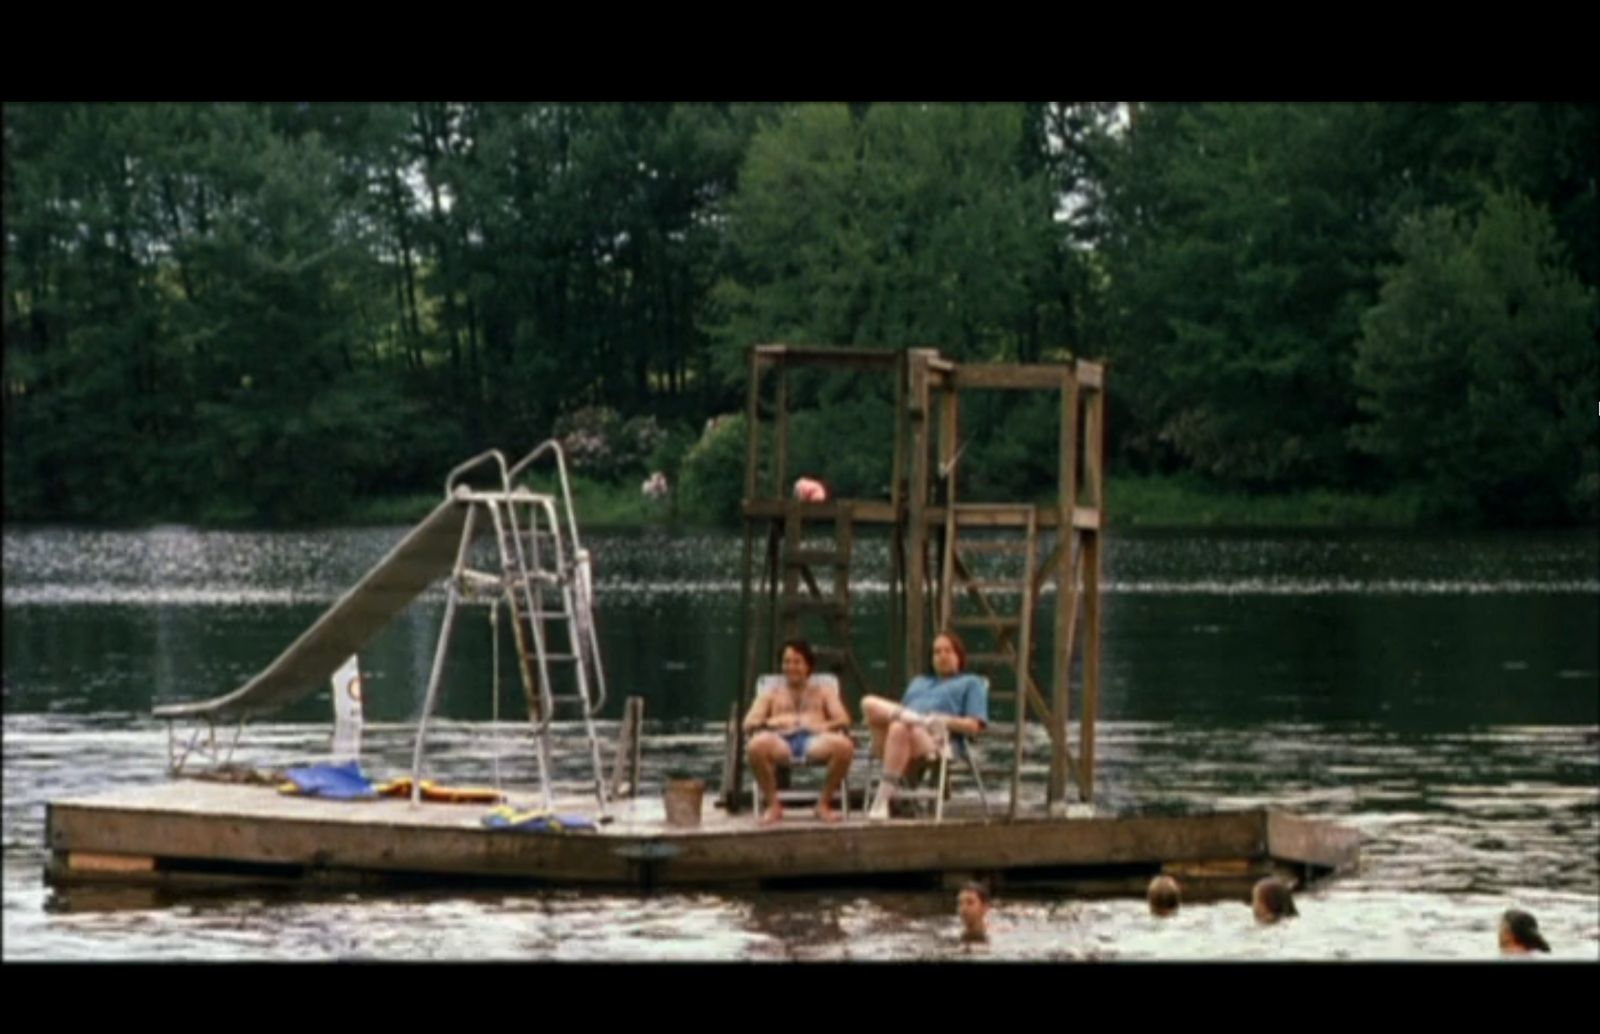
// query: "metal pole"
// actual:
[[439, 654]]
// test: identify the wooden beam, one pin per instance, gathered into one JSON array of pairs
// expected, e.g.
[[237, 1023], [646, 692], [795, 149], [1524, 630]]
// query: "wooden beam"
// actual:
[[1010, 376], [89, 861], [780, 434], [878, 511], [1091, 375], [821, 356]]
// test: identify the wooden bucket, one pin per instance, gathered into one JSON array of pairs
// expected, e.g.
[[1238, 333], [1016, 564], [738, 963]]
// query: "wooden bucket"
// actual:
[[683, 798]]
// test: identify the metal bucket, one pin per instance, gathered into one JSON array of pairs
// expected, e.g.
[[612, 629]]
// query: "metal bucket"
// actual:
[[684, 798]]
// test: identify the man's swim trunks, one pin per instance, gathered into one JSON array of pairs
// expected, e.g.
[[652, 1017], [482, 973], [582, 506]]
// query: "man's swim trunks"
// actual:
[[798, 742]]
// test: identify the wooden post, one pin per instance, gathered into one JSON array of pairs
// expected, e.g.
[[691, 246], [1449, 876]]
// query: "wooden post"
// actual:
[[752, 416], [747, 619], [1094, 467], [780, 435], [897, 539], [772, 571], [791, 573], [629, 741], [916, 531], [1066, 590], [948, 429], [731, 764], [1024, 645]]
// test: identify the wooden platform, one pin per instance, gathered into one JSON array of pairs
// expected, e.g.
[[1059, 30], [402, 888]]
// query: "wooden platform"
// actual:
[[187, 832]]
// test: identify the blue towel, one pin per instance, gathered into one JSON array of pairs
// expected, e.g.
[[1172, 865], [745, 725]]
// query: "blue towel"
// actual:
[[339, 782], [506, 817]]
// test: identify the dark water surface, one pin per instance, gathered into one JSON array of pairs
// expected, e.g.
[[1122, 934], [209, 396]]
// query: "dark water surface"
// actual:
[[1438, 693]]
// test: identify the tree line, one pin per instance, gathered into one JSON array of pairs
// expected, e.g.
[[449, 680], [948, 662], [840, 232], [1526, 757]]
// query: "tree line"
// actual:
[[271, 312]]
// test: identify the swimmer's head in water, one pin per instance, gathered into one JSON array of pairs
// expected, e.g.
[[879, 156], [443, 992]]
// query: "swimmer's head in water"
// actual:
[[1519, 933], [972, 906], [1163, 896], [1271, 900]]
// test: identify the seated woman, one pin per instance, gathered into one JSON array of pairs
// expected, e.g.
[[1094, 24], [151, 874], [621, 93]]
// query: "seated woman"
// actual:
[[910, 733], [798, 721]]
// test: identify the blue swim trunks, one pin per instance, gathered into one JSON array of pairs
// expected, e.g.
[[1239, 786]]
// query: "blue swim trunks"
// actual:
[[798, 742]]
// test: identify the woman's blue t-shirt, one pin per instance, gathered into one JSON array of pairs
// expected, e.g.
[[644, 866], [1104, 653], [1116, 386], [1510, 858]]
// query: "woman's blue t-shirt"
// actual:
[[962, 695]]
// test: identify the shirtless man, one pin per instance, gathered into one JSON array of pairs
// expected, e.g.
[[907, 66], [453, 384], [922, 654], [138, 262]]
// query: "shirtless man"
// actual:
[[794, 721]]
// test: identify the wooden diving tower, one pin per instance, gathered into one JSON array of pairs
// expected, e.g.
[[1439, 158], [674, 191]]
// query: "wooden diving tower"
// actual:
[[935, 580]]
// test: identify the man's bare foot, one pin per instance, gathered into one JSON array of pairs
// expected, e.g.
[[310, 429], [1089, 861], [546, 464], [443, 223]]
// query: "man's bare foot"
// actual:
[[772, 814], [827, 813]]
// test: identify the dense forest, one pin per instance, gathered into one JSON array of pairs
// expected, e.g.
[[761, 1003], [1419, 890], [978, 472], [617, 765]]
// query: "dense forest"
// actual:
[[275, 313]]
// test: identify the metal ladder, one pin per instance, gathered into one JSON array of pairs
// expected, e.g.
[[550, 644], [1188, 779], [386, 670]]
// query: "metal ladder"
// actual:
[[545, 579]]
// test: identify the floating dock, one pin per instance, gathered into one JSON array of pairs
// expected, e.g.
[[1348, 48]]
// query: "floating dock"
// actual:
[[189, 833]]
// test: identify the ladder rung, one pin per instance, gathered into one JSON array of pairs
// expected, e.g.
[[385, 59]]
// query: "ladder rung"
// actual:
[[812, 607], [991, 659], [1002, 694], [830, 653], [816, 556], [993, 545], [988, 585], [984, 621]]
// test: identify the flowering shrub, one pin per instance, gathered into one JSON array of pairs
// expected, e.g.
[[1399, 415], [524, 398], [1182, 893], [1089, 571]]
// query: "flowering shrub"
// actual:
[[600, 444]]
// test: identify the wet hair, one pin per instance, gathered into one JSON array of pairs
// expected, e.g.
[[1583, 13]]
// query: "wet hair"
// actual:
[[976, 888], [803, 648], [1274, 894], [1524, 929], [960, 647], [1163, 895]]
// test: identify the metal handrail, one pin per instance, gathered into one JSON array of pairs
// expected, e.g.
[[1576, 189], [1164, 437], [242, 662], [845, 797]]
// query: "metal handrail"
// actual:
[[579, 554], [466, 465], [553, 445]]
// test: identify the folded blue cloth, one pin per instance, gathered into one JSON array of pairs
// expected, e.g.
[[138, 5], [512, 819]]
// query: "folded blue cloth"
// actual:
[[338, 782], [506, 817]]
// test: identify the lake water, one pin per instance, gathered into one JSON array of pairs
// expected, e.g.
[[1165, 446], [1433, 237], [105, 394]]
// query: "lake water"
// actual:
[[1438, 693]]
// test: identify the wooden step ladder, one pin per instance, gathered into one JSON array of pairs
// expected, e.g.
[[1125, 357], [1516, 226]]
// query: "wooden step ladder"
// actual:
[[801, 594], [1009, 630]]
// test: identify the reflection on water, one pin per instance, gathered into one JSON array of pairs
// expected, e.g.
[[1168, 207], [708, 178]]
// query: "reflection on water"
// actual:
[[1436, 693]]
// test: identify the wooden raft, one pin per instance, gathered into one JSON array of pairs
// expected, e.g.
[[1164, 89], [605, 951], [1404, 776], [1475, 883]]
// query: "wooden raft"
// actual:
[[194, 833]]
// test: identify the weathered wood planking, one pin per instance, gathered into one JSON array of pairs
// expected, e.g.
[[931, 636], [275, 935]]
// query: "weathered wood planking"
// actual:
[[1295, 839], [250, 825]]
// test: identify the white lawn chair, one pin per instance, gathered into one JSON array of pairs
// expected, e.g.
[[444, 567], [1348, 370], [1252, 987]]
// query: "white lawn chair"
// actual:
[[829, 684], [951, 748]]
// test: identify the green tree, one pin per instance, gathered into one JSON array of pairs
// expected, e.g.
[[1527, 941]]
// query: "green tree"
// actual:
[[1241, 251], [1477, 366], [908, 225]]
